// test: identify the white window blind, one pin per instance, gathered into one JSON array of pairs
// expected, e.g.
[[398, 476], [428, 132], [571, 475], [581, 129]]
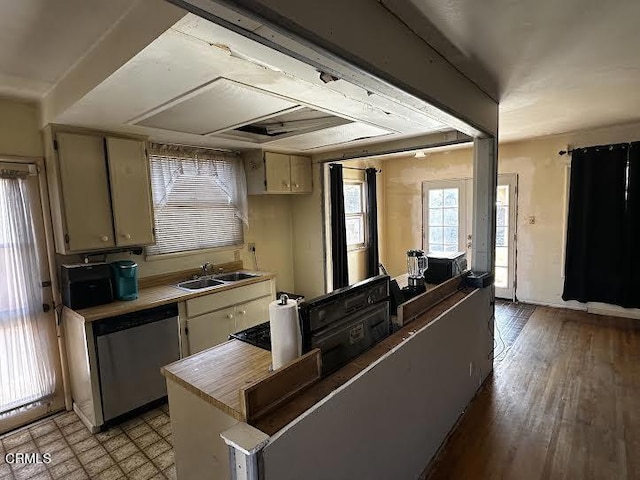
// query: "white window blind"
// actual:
[[199, 199]]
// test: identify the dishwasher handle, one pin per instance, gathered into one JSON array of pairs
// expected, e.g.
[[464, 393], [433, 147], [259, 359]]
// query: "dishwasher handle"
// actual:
[[134, 319]]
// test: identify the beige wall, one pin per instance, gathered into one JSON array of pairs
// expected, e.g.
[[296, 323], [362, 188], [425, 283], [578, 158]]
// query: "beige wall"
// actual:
[[19, 129], [308, 239], [541, 191]]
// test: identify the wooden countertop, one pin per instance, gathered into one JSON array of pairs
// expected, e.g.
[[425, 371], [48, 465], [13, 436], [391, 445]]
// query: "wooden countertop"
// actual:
[[156, 296], [217, 374]]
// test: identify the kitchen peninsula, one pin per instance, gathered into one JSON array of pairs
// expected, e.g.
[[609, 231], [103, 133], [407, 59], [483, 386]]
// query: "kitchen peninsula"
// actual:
[[380, 416]]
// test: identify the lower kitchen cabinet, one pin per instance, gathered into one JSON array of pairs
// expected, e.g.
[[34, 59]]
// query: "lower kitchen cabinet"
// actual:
[[210, 329], [208, 320]]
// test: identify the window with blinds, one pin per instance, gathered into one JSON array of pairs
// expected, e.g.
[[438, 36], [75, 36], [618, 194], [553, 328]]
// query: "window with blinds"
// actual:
[[193, 201]]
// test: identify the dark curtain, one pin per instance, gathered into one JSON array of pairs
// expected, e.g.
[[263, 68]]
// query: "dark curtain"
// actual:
[[631, 287], [339, 261], [596, 231], [372, 209]]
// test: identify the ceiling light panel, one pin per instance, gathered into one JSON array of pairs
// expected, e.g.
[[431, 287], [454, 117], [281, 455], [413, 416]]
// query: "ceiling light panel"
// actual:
[[221, 105]]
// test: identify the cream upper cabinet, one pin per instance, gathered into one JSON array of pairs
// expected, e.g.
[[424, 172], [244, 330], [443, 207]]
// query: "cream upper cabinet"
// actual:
[[300, 174], [86, 204], [278, 173], [100, 191], [269, 172], [130, 191]]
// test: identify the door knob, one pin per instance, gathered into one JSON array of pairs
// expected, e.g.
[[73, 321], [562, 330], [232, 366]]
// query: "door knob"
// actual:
[[230, 316], [296, 185], [127, 236], [104, 238], [242, 312]]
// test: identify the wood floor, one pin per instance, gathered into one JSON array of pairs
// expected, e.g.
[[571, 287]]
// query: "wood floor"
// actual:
[[563, 404]]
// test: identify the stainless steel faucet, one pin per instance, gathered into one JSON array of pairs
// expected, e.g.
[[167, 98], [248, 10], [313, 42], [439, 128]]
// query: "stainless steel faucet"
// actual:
[[205, 267]]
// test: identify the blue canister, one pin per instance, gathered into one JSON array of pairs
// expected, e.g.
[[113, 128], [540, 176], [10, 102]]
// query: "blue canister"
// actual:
[[125, 279]]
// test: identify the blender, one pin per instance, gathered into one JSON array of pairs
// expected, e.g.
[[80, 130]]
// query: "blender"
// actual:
[[416, 266]]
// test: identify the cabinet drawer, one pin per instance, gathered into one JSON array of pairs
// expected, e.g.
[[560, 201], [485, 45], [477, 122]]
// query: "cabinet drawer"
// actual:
[[252, 313], [216, 301]]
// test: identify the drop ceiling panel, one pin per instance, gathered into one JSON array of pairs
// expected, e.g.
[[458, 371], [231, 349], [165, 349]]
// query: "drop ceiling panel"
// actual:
[[223, 104], [331, 136]]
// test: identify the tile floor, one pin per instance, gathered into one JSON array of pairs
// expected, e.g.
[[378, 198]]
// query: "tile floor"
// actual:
[[510, 320], [140, 448]]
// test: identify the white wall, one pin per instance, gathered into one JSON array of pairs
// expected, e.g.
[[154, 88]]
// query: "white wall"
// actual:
[[387, 422]]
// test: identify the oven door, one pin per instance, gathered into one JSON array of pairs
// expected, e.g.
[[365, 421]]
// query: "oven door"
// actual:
[[347, 338]]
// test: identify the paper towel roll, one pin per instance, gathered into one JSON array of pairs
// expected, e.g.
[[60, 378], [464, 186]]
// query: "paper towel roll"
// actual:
[[286, 341]]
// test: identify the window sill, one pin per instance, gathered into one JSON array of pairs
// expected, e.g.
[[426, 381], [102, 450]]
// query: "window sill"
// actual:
[[357, 248]]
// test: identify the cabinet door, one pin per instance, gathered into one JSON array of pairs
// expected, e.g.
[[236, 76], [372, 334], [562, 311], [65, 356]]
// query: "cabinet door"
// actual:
[[85, 192], [277, 172], [130, 192], [252, 313], [209, 330], [301, 176]]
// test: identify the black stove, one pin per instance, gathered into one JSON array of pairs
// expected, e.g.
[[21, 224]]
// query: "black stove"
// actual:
[[258, 336]]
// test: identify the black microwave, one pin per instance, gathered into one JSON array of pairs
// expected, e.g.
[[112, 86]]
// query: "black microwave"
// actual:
[[442, 266], [86, 285]]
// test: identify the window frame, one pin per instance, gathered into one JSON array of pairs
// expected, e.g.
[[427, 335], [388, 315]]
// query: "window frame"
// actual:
[[363, 214]]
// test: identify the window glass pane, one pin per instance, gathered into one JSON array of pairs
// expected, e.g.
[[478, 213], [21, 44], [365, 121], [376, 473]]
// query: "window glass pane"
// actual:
[[451, 217], [355, 230], [435, 217], [502, 256], [353, 197], [451, 248], [435, 198], [502, 216], [435, 235], [501, 236], [451, 235], [503, 195], [436, 247], [502, 277], [451, 197]]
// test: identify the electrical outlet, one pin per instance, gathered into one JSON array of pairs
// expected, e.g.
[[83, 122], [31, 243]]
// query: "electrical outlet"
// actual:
[[532, 220], [251, 247]]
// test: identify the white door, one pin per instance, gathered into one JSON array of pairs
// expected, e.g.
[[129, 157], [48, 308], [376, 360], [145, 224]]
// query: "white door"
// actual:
[[30, 373], [444, 210], [506, 214]]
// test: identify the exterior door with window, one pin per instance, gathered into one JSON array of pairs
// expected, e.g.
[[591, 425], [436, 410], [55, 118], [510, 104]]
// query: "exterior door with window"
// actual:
[[30, 372], [444, 216], [505, 269]]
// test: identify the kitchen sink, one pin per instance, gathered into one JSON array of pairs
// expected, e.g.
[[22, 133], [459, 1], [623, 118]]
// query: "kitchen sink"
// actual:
[[235, 276], [200, 283]]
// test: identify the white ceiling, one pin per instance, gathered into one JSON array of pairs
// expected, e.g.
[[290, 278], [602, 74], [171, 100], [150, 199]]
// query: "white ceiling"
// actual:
[[41, 39], [559, 66], [172, 90]]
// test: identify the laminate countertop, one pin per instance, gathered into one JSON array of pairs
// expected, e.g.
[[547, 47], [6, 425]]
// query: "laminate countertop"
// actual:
[[217, 374], [150, 297]]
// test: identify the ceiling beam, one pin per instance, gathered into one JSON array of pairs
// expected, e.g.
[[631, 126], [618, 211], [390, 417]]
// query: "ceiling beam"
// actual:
[[364, 43], [392, 147]]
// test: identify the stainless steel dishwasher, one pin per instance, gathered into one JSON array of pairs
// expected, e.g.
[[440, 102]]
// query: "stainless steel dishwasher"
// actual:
[[131, 349]]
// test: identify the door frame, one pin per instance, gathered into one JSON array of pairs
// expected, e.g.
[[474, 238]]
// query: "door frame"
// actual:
[[62, 398], [511, 179]]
